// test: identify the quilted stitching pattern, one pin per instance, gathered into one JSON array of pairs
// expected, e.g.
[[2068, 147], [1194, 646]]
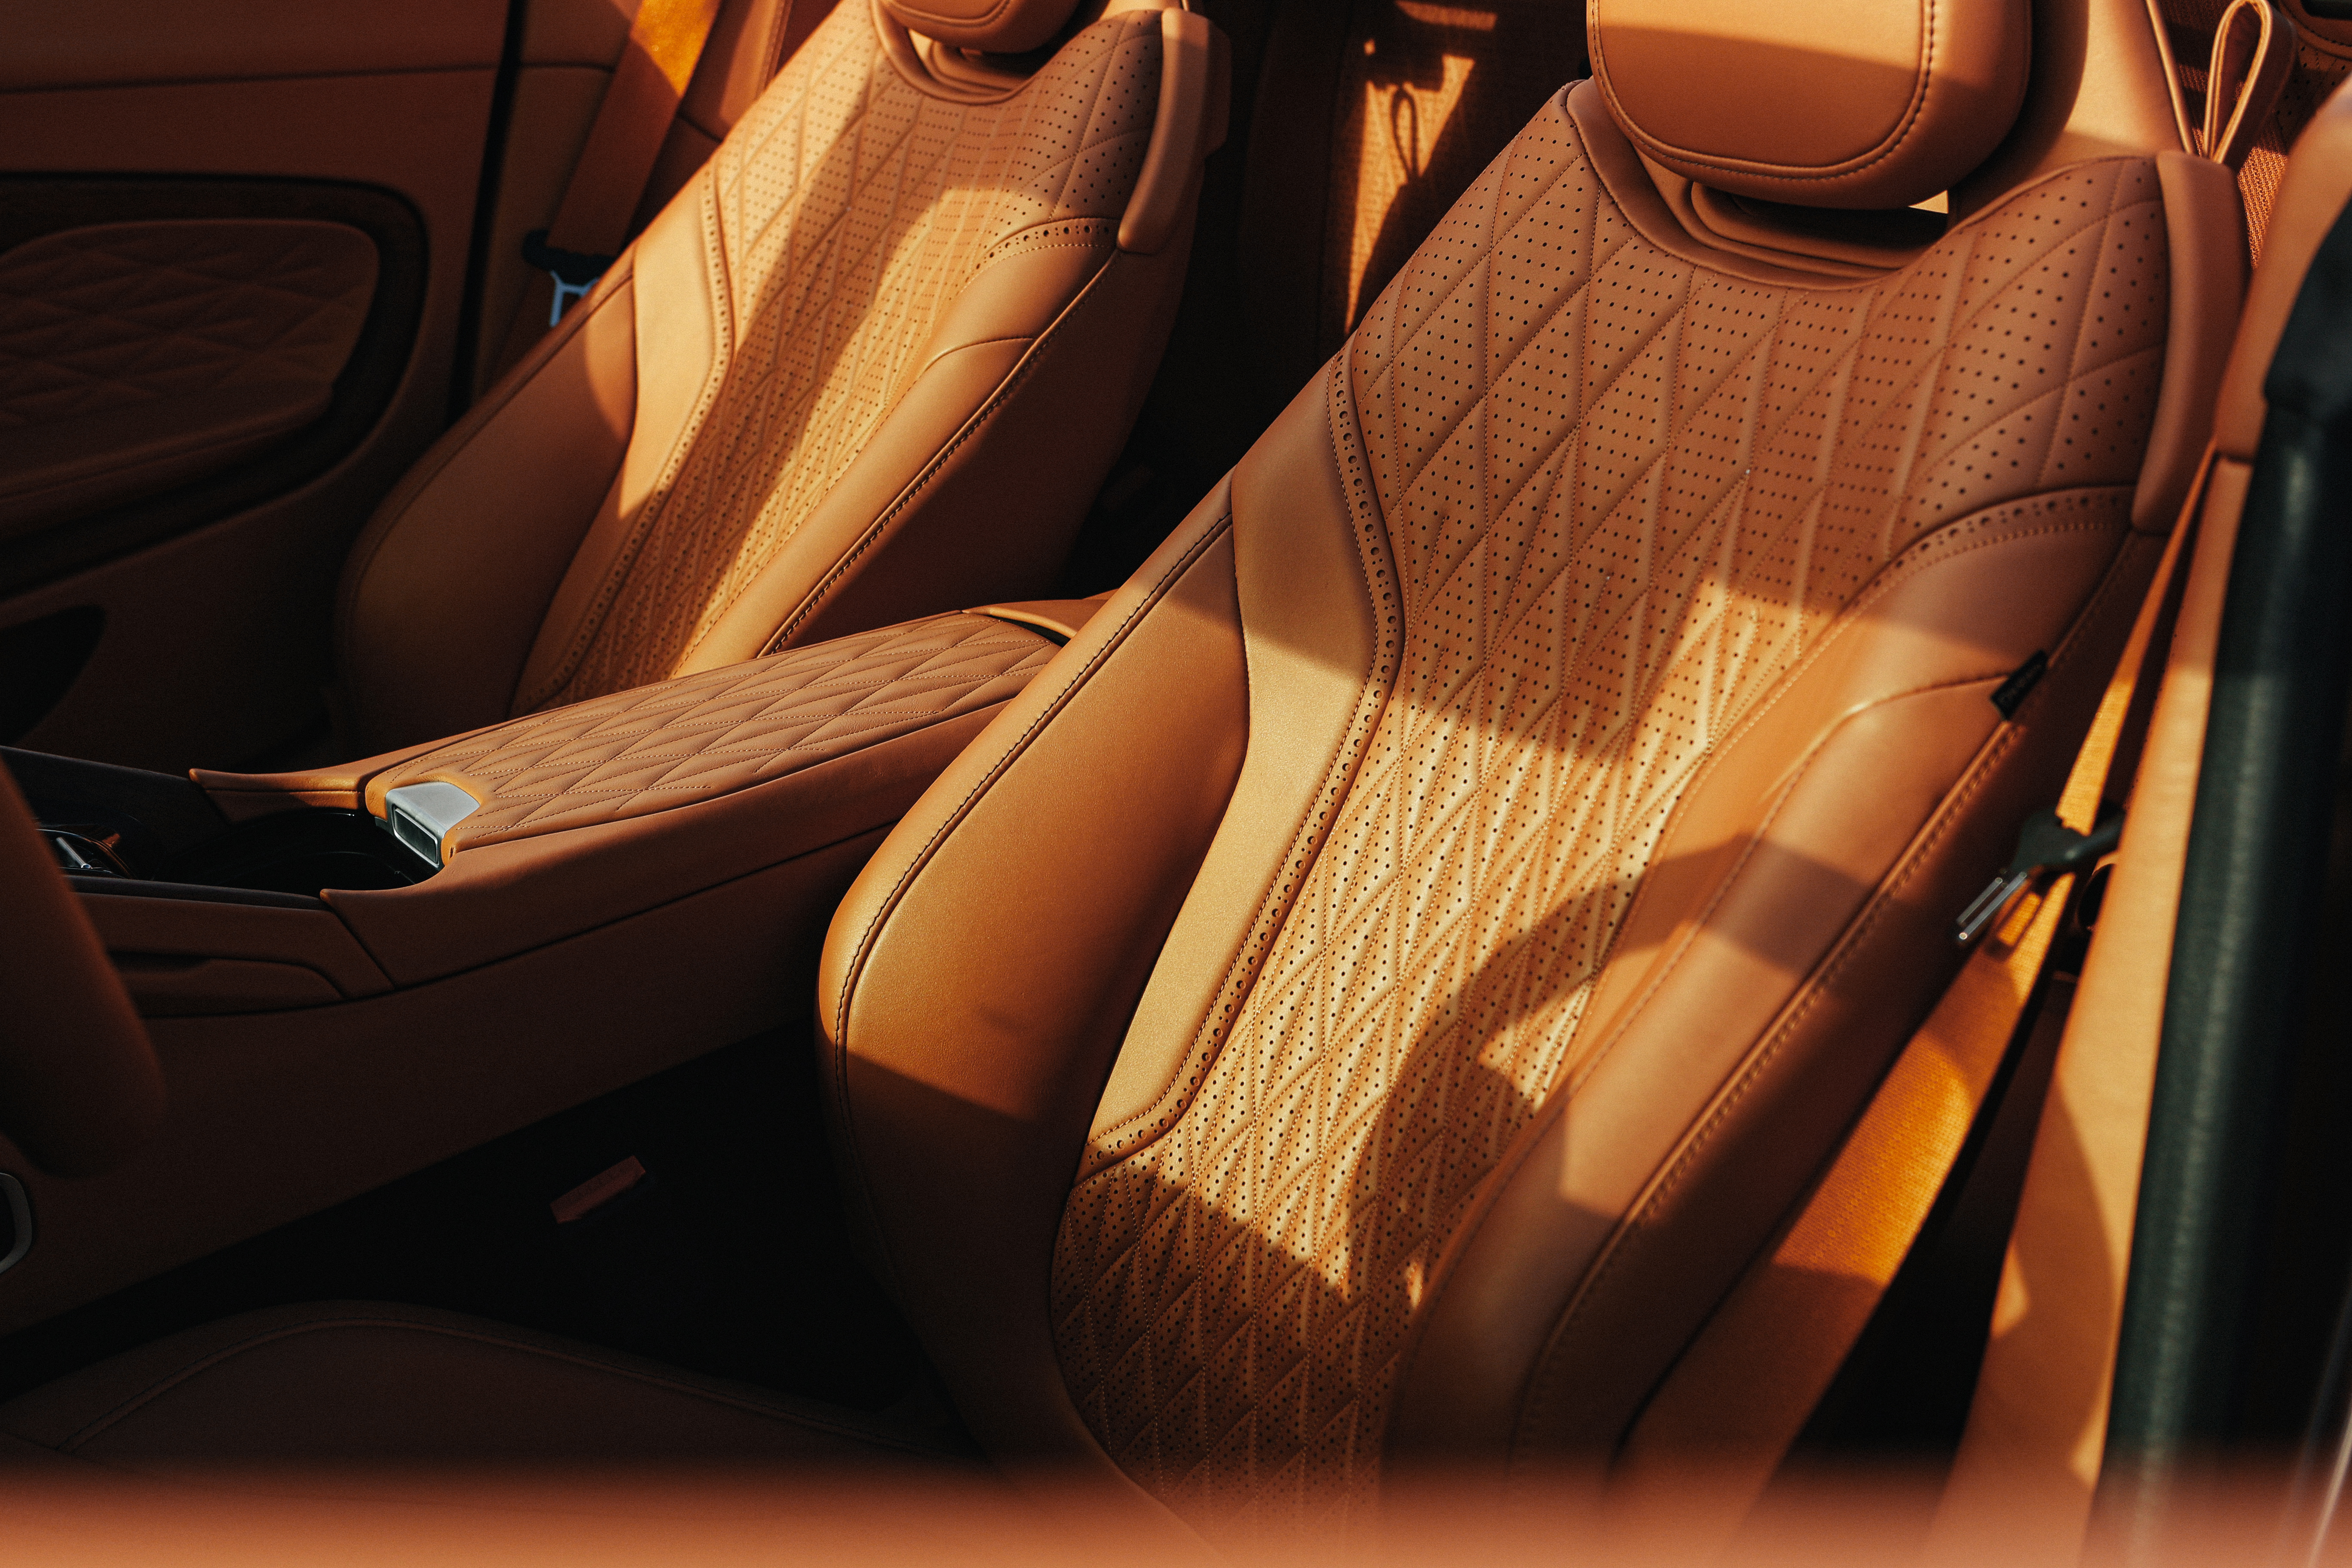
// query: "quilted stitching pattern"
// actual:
[[1623, 496], [95, 318], [845, 214], [664, 746]]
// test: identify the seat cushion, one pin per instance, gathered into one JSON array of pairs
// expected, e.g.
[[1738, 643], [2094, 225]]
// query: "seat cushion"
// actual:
[[365, 1384]]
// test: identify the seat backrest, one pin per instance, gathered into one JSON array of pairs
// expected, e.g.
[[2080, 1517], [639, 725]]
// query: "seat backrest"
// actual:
[[870, 364], [1366, 1001]]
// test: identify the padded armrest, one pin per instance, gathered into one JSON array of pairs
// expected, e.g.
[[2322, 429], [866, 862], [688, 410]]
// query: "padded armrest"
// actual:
[[660, 747]]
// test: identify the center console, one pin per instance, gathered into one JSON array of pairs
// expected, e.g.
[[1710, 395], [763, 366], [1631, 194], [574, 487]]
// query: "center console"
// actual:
[[353, 971]]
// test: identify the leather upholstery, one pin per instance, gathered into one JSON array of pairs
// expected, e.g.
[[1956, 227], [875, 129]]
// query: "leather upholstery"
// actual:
[[1365, 999], [1820, 102], [1436, 964], [794, 409], [2036, 1431], [658, 747], [1611, 776], [280, 1387], [137, 355], [992, 27]]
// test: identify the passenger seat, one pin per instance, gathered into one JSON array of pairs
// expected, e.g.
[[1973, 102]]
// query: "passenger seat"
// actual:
[[872, 363]]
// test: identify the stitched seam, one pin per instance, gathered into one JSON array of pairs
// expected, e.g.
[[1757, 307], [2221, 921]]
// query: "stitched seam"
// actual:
[[1274, 906], [1931, 552], [1012, 381]]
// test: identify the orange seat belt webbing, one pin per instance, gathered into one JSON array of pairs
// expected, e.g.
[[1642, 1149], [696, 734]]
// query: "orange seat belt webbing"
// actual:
[[1742, 1393], [592, 223]]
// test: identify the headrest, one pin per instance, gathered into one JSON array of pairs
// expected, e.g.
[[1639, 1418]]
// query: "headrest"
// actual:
[[991, 27], [1825, 104]]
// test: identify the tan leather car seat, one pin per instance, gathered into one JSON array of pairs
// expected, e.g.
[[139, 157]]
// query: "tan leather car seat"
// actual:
[[1366, 1000], [1442, 914], [870, 364]]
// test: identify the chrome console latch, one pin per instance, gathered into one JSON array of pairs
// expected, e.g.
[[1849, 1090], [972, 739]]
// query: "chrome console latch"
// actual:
[[421, 814]]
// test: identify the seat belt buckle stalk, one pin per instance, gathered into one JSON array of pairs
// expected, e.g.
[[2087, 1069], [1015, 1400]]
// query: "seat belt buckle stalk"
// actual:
[[2044, 844], [573, 272]]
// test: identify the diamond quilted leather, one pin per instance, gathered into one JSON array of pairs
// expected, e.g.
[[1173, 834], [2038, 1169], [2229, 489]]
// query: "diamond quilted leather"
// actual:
[[1622, 495], [95, 318], [670, 745], [845, 215]]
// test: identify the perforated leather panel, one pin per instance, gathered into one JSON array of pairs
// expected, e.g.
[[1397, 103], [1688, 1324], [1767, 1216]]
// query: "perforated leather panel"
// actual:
[[1623, 496], [843, 216], [664, 746]]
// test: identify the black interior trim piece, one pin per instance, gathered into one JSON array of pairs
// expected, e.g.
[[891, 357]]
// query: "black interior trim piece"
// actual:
[[40, 661], [2243, 948], [32, 206], [486, 208], [170, 807]]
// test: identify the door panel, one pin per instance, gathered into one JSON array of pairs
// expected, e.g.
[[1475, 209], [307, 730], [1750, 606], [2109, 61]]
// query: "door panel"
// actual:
[[226, 287], [211, 585], [135, 357]]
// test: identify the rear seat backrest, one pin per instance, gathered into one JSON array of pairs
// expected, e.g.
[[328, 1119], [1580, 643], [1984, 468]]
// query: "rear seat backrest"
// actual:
[[871, 362], [1601, 655], [2323, 59]]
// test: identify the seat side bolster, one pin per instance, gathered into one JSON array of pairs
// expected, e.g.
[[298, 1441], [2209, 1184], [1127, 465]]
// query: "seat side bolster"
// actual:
[[1315, 647], [445, 589], [1753, 998], [979, 974]]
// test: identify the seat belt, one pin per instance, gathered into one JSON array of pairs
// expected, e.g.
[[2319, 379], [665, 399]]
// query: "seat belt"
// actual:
[[591, 222], [1741, 1394]]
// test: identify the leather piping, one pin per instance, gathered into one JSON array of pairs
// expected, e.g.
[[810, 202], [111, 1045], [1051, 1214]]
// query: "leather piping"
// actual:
[[658, 495], [618, 281], [1922, 555]]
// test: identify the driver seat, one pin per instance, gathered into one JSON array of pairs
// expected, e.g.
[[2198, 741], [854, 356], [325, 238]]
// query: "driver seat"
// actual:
[[1365, 1003], [871, 363]]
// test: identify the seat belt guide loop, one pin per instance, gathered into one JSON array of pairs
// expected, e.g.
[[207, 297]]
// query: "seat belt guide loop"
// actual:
[[2044, 844], [573, 272]]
